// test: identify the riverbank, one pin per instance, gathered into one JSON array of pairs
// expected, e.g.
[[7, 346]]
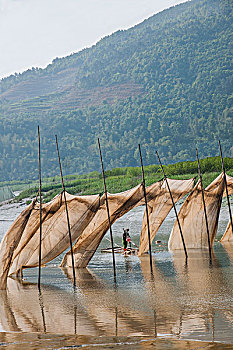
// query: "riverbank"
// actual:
[[121, 179]]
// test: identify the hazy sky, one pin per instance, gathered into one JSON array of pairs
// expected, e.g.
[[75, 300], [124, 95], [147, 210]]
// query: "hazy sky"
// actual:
[[33, 32]]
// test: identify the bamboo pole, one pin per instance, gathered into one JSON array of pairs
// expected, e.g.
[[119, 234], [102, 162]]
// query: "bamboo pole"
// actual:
[[173, 203], [107, 207], [67, 213], [225, 181], [203, 199], [147, 214], [40, 239]]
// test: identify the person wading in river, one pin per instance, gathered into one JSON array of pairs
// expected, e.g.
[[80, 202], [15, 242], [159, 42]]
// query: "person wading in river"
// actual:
[[124, 239], [128, 238]]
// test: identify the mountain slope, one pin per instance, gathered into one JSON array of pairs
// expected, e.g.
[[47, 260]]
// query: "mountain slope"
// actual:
[[166, 83]]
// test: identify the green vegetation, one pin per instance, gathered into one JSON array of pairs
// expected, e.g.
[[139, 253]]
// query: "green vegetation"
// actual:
[[166, 84], [5, 194], [122, 179]]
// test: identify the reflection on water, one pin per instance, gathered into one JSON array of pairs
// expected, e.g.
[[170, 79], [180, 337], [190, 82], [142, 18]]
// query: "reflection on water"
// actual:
[[191, 301], [179, 301]]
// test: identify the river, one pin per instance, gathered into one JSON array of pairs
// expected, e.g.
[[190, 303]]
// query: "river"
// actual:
[[178, 307]]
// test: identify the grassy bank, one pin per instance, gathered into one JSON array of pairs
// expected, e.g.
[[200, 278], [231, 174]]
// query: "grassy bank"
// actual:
[[120, 179]]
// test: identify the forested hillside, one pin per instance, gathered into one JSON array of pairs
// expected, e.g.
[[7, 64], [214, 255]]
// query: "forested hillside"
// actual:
[[166, 83]]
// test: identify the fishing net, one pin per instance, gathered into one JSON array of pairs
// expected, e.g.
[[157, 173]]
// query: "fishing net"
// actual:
[[228, 235], [119, 204], [20, 245], [192, 217], [160, 206]]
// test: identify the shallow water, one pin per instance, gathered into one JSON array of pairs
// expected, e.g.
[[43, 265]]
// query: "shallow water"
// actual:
[[177, 301]]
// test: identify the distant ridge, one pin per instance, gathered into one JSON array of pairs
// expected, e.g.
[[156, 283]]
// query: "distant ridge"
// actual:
[[166, 83]]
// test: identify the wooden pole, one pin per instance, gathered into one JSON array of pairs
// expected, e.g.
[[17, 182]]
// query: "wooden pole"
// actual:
[[225, 181], [147, 214], [107, 207], [203, 199], [67, 214], [173, 203], [39, 275]]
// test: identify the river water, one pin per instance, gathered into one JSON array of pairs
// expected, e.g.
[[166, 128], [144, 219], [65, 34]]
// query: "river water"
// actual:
[[172, 308]]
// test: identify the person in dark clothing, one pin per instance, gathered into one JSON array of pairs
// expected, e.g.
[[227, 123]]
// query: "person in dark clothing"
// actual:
[[124, 239], [128, 238]]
